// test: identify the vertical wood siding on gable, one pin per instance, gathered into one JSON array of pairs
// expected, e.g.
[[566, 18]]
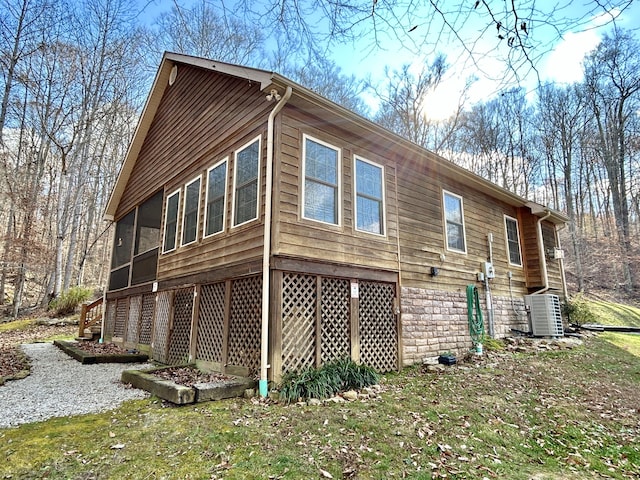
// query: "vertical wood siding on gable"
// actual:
[[202, 118], [301, 238], [201, 113]]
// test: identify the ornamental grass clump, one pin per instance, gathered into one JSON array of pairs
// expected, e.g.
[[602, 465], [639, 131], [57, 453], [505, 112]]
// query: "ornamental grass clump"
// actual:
[[67, 302], [326, 381]]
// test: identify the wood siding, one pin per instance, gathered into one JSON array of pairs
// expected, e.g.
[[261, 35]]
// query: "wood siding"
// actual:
[[297, 237], [422, 237], [203, 118]]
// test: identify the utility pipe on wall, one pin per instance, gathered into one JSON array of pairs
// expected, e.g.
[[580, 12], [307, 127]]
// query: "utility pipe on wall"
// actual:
[[266, 252]]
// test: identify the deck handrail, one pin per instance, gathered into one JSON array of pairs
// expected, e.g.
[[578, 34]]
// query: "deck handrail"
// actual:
[[90, 315]]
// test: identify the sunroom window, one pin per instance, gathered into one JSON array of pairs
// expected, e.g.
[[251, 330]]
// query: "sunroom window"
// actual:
[[247, 167], [191, 212], [216, 193], [171, 222]]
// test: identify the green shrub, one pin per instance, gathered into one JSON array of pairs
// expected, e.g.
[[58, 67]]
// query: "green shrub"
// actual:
[[578, 310], [67, 302], [326, 381]]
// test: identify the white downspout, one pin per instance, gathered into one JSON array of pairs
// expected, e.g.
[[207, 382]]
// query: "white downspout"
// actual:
[[541, 252], [564, 278], [266, 253]]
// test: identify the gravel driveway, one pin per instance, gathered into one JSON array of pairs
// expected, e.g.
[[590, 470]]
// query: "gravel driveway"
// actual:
[[59, 386]]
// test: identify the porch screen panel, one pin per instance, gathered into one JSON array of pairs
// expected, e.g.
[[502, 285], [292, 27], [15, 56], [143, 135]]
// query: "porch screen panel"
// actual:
[[180, 335], [245, 323], [335, 326], [378, 327], [211, 323], [161, 327], [298, 321], [146, 318], [133, 322]]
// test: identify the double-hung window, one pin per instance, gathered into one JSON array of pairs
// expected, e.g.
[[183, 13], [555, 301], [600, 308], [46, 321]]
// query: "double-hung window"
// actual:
[[247, 168], [454, 222], [321, 188], [191, 211], [369, 197], [171, 222], [513, 240], [216, 198]]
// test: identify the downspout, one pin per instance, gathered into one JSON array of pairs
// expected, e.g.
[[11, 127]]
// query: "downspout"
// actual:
[[543, 260], [266, 253], [564, 278]]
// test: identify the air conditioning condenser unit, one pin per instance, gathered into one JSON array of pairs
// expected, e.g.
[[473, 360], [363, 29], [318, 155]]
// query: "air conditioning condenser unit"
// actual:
[[545, 314]]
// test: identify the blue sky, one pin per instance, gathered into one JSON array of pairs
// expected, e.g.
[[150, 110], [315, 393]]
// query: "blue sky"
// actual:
[[557, 57]]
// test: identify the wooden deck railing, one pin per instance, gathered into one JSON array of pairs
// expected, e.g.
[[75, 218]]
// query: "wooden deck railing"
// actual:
[[90, 315]]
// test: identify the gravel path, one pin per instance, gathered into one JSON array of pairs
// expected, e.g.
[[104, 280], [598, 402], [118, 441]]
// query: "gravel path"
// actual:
[[59, 386]]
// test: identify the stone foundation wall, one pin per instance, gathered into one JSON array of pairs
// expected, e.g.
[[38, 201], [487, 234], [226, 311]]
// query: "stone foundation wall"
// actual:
[[434, 322]]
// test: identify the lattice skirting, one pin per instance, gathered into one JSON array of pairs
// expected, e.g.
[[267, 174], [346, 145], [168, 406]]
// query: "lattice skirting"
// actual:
[[318, 321]]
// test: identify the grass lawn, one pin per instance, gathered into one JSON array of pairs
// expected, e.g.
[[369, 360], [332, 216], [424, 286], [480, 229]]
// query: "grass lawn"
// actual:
[[556, 414], [608, 313]]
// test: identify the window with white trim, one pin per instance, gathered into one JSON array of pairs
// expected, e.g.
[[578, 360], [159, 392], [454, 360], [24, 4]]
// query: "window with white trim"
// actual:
[[191, 211], [321, 188], [245, 196], [513, 240], [369, 196], [454, 222], [216, 198], [171, 222]]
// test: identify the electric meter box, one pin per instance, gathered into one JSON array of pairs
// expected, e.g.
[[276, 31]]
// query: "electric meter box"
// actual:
[[488, 270]]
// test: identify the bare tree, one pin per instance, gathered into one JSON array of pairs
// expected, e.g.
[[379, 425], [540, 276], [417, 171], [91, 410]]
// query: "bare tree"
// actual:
[[404, 105], [561, 122], [516, 34], [612, 78], [201, 31]]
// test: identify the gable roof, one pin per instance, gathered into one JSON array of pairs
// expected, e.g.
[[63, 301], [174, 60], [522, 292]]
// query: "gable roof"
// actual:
[[270, 80]]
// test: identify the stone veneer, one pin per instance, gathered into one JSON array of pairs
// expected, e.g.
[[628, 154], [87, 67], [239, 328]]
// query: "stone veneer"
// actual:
[[435, 321]]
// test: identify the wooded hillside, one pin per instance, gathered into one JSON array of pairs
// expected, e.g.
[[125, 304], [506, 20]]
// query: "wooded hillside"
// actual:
[[74, 77]]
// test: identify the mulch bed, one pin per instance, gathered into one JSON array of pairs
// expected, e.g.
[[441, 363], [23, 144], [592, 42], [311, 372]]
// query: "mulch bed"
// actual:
[[13, 363], [189, 376], [96, 348]]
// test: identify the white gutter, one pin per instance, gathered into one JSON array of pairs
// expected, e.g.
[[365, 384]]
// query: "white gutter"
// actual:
[[541, 252], [266, 252]]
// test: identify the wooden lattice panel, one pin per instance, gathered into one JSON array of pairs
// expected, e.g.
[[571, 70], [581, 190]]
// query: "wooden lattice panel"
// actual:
[[335, 327], [298, 321], [244, 323], [133, 323], [109, 320], [181, 327], [211, 323], [146, 318], [122, 312], [378, 329], [161, 327]]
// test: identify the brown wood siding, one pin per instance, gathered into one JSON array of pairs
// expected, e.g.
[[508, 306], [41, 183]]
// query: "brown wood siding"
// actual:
[[422, 238], [200, 114], [203, 118], [531, 253], [297, 237]]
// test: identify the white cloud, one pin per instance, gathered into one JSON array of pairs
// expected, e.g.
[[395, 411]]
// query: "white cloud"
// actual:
[[564, 63]]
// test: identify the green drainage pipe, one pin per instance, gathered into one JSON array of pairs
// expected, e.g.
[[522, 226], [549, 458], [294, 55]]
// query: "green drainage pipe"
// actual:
[[474, 315]]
